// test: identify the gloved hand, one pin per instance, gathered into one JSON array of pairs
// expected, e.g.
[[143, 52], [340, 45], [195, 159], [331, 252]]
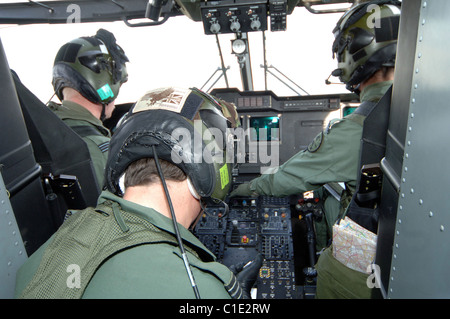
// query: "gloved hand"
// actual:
[[246, 274], [242, 190]]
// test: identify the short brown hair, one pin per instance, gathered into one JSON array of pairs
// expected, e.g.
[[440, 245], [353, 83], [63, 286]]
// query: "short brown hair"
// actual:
[[144, 172]]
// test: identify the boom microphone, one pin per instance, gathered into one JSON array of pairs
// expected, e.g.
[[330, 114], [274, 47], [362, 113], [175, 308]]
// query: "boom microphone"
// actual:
[[337, 72]]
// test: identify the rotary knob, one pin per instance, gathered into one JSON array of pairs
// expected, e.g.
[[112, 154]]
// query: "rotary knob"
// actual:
[[255, 24], [235, 26], [215, 27]]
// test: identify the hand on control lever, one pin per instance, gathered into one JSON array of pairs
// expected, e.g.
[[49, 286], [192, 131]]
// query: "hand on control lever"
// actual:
[[246, 274]]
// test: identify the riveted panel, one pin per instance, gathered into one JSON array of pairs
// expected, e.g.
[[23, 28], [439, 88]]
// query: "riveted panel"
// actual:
[[420, 250], [12, 249]]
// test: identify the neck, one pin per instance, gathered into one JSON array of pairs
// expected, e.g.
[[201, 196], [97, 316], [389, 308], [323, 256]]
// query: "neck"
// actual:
[[185, 206], [95, 108], [379, 76]]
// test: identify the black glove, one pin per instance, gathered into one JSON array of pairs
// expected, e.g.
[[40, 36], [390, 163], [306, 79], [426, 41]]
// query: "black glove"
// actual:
[[246, 274]]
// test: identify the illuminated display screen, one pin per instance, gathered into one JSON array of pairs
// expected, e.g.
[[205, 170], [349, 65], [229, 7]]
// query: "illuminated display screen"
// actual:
[[347, 111], [264, 128]]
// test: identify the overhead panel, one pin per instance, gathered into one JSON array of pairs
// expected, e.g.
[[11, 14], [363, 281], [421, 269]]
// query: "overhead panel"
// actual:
[[231, 17]]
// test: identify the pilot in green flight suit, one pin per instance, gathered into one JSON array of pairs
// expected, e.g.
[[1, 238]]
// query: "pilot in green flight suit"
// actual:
[[153, 270], [127, 247], [333, 156], [87, 75], [366, 55]]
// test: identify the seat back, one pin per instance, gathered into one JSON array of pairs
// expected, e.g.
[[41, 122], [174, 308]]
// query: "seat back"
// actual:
[[58, 149], [20, 171], [364, 205]]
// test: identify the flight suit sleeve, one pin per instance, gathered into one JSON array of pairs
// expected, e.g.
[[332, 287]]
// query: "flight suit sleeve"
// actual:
[[333, 156]]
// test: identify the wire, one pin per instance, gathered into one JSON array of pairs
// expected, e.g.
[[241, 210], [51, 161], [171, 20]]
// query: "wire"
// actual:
[[226, 209], [50, 98], [175, 225]]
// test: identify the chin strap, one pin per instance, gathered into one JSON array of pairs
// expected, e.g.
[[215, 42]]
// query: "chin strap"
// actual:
[[103, 114]]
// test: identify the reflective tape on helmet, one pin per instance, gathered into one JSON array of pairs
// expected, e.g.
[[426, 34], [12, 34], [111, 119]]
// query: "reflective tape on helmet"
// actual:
[[105, 92]]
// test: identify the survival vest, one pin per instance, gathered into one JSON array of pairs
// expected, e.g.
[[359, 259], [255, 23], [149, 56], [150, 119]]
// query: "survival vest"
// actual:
[[89, 237]]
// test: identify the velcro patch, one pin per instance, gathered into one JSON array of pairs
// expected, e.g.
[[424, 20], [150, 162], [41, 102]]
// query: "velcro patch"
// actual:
[[224, 179], [171, 99], [316, 143]]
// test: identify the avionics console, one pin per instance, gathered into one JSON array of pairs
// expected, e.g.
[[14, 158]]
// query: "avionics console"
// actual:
[[275, 128], [251, 226]]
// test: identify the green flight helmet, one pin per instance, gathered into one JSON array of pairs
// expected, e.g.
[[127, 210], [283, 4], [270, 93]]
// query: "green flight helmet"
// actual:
[[185, 127], [94, 66], [365, 40]]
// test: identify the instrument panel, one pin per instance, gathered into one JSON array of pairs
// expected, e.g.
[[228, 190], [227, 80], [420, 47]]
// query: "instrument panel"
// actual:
[[249, 226]]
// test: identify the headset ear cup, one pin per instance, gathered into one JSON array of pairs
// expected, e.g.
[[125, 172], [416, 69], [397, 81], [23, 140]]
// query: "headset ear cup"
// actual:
[[122, 183], [192, 189], [65, 76], [383, 57]]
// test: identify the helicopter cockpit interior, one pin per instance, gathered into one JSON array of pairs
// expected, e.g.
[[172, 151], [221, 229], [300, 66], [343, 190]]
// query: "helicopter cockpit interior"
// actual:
[[40, 180]]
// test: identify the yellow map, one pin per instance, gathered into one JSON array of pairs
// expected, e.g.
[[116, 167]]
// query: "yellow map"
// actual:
[[353, 245]]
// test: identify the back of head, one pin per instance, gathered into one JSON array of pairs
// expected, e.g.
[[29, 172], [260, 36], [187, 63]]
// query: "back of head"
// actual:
[[185, 127], [365, 41], [93, 66]]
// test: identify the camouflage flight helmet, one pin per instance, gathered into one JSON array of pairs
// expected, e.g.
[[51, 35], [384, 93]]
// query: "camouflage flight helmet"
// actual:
[[365, 40], [187, 128], [94, 66]]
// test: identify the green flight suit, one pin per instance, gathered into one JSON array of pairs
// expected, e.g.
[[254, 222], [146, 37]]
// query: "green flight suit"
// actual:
[[334, 279], [91, 130], [143, 269], [332, 157]]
